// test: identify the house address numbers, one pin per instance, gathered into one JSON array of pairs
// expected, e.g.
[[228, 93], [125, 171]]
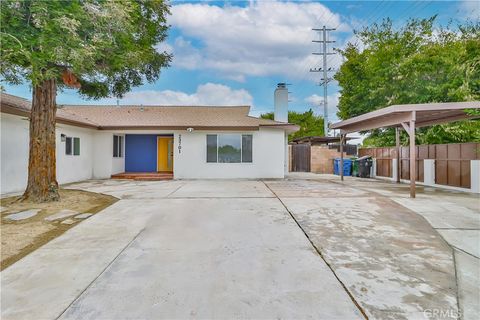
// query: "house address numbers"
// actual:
[[179, 143]]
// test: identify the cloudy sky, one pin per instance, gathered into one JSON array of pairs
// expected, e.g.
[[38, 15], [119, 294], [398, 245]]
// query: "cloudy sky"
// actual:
[[235, 52]]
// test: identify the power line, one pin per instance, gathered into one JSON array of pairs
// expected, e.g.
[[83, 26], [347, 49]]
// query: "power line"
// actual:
[[325, 70], [380, 11], [308, 75]]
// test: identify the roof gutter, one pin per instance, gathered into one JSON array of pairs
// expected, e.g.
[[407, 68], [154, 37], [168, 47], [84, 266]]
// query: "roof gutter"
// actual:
[[288, 127], [197, 128]]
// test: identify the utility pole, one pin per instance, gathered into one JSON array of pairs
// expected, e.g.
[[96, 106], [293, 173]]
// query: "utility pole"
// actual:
[[325, 70]]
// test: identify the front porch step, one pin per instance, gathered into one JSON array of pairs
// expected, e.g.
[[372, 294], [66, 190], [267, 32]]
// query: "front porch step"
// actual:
[[144, 176]]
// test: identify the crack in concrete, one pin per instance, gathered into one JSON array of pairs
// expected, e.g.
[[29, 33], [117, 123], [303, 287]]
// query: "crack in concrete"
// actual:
[[460, 316], [181, 186], [208, 197], [467, 229], [100, 274], [470, 254], [355, 302]]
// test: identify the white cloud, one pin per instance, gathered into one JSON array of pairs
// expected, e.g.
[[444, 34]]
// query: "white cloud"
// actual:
[[470, 9], [263, 38], [315, 101], [206, 94]]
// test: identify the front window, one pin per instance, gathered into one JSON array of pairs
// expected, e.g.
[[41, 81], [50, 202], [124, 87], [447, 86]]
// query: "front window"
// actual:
[[68, 146], [72, 146], [229, 148], [211, 148], [117, 146], [76, 146], [247, 147]]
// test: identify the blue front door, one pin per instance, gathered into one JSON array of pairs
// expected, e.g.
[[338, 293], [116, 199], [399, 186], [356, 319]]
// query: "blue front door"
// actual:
[[140, 153]]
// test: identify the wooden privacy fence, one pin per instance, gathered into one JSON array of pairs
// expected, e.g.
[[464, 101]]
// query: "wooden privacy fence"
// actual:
[[452, 162], [383, 158], [305, 157]]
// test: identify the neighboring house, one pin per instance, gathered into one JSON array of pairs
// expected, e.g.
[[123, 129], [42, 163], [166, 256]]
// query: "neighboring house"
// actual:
[[189, 141]]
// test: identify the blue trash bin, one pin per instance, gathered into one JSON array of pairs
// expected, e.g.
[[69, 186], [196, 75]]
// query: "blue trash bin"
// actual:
[[336, 164], [347, 167]]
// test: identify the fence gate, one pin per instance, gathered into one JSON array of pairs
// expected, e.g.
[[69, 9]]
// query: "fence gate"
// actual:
[[301, 157]]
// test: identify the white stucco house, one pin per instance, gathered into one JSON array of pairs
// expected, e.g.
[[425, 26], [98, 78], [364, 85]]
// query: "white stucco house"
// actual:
[[189, 142]]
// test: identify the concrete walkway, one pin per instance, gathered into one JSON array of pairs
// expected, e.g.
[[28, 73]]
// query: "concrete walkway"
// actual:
[[306, 247], [454, 215]]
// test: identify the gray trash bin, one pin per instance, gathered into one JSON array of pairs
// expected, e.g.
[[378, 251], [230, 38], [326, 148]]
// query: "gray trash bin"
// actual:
[[364, 165]]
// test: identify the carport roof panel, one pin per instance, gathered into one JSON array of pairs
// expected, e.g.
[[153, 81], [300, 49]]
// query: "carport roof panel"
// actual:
[[425, 115]]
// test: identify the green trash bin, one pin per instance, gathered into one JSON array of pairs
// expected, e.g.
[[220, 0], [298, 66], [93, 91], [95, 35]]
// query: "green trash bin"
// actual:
[[354, 167]]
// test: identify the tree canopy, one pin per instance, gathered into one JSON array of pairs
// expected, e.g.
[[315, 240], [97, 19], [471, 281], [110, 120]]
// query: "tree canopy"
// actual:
[[310, 124], [101, 47], [416, 63]]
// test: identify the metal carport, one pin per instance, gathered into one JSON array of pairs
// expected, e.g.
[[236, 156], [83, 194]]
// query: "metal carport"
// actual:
[[408, 117]]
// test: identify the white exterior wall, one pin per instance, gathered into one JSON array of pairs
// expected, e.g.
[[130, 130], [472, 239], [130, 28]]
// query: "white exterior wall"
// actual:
[[395, 172], [429, 172], [102, 156], [286, 153], [104, 164], [14, 154], [118, 164], [475, 172], [96, 155], [268, 156], [72, 168]]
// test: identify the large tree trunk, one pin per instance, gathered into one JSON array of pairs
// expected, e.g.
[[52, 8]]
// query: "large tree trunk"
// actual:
[[42, 179]]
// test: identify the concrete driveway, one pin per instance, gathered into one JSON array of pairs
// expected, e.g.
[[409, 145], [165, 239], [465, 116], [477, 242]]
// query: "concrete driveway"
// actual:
[[297, 248], [196, 249]]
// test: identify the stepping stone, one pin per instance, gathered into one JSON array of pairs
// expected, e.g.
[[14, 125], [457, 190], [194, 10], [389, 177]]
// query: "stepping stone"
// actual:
[[61, 214], [83, 216], [68, 221], [23, 214]]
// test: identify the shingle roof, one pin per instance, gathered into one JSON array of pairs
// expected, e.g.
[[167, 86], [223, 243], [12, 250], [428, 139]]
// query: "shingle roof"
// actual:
[[177, 116], [17, 105], [15, 101], [154, 117]]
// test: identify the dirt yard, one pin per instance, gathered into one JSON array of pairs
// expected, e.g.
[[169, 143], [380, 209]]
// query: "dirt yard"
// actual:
[[22, 236]]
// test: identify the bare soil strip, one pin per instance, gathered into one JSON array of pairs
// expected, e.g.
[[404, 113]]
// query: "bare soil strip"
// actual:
[[21, 237]]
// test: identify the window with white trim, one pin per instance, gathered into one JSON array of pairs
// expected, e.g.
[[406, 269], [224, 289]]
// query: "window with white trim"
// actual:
[[229, 148], [72, 146], [117, 146]]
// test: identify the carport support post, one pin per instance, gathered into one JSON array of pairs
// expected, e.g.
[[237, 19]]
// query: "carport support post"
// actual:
[[397, 143], [342, 137], [413, 162], [410, 128]]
